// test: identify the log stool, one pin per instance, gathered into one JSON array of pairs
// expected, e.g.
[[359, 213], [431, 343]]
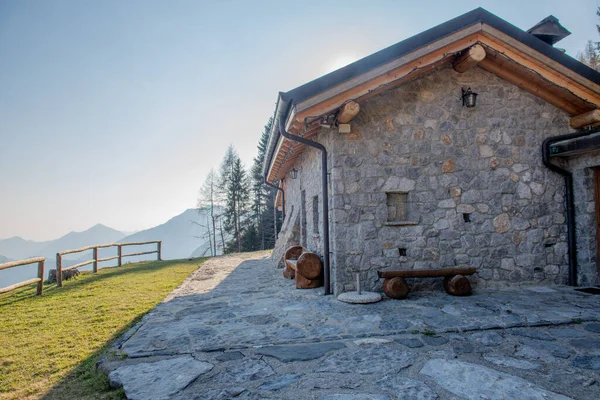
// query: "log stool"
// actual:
[[455, 282], [304, 266]]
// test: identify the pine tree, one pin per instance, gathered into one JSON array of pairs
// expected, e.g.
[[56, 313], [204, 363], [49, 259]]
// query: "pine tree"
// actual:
[[260, 191], [235, 193], [264, 232]]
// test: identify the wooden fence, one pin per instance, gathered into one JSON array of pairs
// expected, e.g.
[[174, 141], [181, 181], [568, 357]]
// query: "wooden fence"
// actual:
[[39, 280], [96, 260], [59, 269]]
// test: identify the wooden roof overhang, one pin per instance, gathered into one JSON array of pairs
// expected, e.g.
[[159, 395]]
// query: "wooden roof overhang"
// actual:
[[506, 57]]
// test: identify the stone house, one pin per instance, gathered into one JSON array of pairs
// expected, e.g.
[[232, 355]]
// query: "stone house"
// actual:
[[399, 169]]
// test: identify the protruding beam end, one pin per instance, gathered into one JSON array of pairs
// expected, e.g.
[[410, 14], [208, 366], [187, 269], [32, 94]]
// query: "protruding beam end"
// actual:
[[469, 58], [585, 119]]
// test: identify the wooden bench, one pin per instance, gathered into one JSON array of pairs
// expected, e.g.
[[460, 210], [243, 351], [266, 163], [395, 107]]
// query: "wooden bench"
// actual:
[[455, 282], [304, 266]]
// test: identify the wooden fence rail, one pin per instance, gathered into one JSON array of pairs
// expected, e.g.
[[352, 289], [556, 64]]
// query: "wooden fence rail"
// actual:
[[39, 280], [95, 260]]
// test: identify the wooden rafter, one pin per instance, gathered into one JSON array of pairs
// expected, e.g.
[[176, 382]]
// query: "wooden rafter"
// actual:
[[585, 119]]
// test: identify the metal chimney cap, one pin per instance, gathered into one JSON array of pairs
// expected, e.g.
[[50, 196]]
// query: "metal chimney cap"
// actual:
[[549, 30]]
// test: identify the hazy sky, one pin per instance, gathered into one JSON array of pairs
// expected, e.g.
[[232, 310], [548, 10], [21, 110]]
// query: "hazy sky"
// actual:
[[113, 111]]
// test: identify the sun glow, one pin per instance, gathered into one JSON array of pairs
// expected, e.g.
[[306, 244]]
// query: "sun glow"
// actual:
[[338, 61]]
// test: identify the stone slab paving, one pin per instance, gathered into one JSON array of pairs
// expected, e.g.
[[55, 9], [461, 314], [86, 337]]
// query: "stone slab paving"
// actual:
[[251, 335]]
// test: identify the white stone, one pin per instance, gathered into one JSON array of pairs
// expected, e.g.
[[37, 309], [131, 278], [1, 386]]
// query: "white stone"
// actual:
[[466, 208], [472, 381], [552, 269], [448, 203], [363, 298], [523, 191], [441, 224], [537, 188], [397, 184], [486, 151], [507, 264], [158, 380], [483, 208], [518, 168]]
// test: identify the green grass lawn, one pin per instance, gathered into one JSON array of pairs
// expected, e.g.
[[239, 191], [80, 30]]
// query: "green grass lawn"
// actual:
[[49, 344]]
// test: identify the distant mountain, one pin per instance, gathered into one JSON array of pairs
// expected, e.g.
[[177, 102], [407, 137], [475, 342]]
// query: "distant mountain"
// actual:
[[183, 236], [4, 259], [18, 248], [97, 234]]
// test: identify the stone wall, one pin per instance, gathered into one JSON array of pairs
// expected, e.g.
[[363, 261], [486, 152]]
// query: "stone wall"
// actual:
[[477, 191], [302, 194], [585, 216]]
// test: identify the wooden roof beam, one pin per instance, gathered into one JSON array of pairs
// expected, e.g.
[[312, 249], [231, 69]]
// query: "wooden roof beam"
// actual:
[[469, 58], [524, 83], [585, 119], [348, 111]]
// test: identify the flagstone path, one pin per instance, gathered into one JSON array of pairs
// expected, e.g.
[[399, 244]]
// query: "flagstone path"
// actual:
[[237, 329]]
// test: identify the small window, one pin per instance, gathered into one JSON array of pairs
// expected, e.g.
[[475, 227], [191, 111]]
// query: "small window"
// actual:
[[467, 217], [402, 252], [315, 210], [396, 205]]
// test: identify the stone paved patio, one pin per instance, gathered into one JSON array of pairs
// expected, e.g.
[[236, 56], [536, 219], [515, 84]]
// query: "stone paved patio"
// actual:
[[249, 334]]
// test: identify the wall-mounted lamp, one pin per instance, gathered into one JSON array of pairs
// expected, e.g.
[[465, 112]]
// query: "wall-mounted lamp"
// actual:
[[294, 173], [469, 98]]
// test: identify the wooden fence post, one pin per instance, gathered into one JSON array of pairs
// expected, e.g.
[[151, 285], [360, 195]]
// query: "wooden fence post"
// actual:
[[159, 250], [40, 285], [120, 254], [58, 270], [95, 259]]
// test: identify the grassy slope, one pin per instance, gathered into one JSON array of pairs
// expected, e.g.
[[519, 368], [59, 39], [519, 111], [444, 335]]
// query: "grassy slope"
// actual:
[[49, 344]]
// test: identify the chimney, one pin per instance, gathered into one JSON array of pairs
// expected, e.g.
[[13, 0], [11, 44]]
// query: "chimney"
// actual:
[[549, 30]]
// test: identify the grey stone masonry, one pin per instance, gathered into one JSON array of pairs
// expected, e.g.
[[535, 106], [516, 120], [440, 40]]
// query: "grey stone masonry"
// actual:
[[585, 215], [474, 188]]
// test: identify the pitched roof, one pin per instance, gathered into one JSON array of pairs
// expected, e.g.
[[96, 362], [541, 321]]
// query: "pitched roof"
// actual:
[[476, 26], [431, 35]]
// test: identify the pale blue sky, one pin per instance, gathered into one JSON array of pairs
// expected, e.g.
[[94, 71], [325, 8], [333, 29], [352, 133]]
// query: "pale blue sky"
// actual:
[[113, 111]]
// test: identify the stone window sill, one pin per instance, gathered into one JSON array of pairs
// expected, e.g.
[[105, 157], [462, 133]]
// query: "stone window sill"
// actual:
[[401, 223]]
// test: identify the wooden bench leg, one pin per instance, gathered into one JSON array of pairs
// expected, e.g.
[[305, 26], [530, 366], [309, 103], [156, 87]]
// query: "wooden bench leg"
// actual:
[[457, 285], [395, 288]]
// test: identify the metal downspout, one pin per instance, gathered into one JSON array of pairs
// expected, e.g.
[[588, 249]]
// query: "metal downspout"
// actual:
[[324, 200], [570, 200]]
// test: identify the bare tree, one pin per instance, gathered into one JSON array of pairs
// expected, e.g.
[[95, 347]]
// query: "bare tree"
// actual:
[[209, 199]]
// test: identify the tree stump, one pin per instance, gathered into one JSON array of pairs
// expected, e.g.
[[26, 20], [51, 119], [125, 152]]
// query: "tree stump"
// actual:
[[395, 288], [457, 285], [309, 265]]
